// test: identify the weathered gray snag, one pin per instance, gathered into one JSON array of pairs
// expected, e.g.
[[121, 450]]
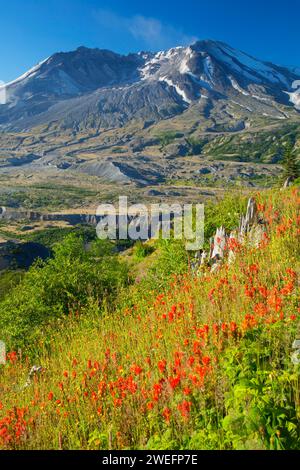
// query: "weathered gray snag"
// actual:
[[250, 218], [288, 182], [251, 231], [219, 244], [35, 370], [204, 257]]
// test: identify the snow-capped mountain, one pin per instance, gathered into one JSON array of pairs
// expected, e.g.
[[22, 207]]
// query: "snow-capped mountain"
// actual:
[[101, 89]]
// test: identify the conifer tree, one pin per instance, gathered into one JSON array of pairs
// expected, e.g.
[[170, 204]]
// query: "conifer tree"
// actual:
[[290, 163]]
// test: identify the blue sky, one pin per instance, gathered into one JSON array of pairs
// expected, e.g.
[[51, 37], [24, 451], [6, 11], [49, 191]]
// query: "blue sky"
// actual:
[[32, 30]]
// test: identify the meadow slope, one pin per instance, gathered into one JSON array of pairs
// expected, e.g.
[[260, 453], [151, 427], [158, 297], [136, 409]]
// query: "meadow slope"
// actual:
[[193, 362]]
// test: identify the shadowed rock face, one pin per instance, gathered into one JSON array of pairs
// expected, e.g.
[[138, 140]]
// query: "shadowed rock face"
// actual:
[[30, 251], [72, 219], [92, 88], [21, 255]]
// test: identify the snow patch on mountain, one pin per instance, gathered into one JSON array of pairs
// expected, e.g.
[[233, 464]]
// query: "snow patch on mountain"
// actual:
[[29, 74], [184, 66], [8, 88], [261, 98], [243, 106], [179, 91], [236, 58], [274, 117], [295, 98], [208, 68], [237, 87]]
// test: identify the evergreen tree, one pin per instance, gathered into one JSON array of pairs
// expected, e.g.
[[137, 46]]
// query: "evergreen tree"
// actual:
[[290, 163]]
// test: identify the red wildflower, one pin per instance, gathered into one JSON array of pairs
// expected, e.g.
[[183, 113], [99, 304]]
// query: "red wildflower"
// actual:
[[250, 291], [291, 272], [74, 362], [12, 357], [191, 360], [157, 390], [172, 313], [117, 402], [249, 322], [185, 408], [263, 291], [162, 365], [260, 309], [216, 328], [167, 414], [94, 396], [174, 381], [287, 289], [254, 268], [206, 360], [137, 370]]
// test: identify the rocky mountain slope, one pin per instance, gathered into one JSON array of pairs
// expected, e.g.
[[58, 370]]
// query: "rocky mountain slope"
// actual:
[[177, 115], [92, 88]]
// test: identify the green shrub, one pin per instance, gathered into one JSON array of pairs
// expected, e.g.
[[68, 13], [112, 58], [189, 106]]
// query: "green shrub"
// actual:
[[172, 259], [8, 280], [225, 213], [63, 284], [142, 250], [264, 387]]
